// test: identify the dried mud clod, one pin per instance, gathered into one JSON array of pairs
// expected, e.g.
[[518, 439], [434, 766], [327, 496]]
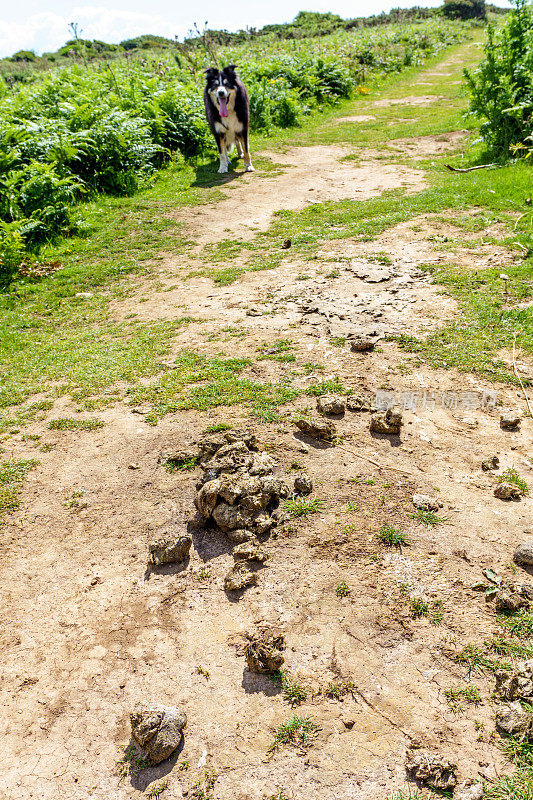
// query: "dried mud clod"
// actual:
[[360, 402], [431, 769], [317, 428], [523, 554], [362, 343], [507, 491], [388, 422], [238, 490], [330, 404], [510, 421], [157, 730], [516, 684], [489, 463], [263, 651], [508, 600], [169, 549], [512, 720], [239, 577], [426, 503], [249, 551]]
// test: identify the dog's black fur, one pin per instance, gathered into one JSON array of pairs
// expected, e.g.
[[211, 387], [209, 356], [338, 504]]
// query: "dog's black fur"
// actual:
[[227, 111]]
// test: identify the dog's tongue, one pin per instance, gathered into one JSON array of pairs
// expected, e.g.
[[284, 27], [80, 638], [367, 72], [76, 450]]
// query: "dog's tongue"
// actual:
[[223, 107]]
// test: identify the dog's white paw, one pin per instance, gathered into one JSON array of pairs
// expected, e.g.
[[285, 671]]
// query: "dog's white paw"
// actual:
[[249, 168]]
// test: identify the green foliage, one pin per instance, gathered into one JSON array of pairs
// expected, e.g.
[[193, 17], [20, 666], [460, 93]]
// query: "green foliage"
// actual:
[[464, 9], [502, 86], [69, 424], [101, 124], [303, 506], [293, 691], [298, 731], [467, 694], [342, 590], [391, 537], [510, 475], [12, 473]]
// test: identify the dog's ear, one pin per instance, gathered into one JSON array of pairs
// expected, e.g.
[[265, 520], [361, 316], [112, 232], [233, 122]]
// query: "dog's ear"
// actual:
[[230, 70], [210, 72]]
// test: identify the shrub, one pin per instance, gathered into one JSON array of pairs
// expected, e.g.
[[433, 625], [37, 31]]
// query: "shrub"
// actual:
[[502, 86], [464, 9]]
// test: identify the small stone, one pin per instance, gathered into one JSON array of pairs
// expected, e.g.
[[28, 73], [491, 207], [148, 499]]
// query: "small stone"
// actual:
[[523, 554], [317, 428], [468, 790], [249, 551], [426, 503], [263, 651], [388, 422], [492, 462], [510, 421], [303, 484], [506, 600], [359, 402], [239, 577], [330, 404], [360, 344], [512, 720], [287, 243], [507, 491], [170, 550], [254, 312], [431, 769], [239, 536], [157, 730], [527, 591], [133, 466]]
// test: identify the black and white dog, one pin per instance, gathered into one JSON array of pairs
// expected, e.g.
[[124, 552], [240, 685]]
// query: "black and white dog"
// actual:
[[228, 114]]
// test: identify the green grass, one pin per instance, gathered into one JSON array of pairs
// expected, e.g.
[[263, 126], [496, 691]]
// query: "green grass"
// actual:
[[455, 697], [336, 690], [519, 624], [12, 474], [303, 506], [391, 537], [70, 424], [293, 691], [427, 518], [298, 731], [475, 658]]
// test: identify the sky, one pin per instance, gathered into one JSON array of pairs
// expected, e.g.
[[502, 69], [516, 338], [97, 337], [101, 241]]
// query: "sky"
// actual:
[[43, 26]]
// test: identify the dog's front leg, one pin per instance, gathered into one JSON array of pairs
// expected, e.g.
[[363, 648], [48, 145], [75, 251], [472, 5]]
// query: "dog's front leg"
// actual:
[[223, 152], [243, 142]]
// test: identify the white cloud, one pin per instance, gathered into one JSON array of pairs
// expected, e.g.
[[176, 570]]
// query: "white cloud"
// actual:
[[48, 31]]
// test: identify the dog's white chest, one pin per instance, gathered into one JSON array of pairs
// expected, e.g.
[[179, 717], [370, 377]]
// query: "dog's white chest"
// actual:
[[230, 126]]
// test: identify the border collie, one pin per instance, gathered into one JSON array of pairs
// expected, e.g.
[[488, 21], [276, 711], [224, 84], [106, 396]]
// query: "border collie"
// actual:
[[228, 113]]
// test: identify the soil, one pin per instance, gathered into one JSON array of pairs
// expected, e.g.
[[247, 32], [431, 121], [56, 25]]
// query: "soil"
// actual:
[[88, 631]]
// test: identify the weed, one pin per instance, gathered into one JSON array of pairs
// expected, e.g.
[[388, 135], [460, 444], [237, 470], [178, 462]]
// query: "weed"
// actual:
[[293, 692], [219, 427], [181, 464], [325, 387], [474, 657], [279, 795], [203, 575], [336, 690], [342, 589], [510, 475], [391, 537], [73, 500], [303, 506], [202, 671], [130, 763], [338, 341], [310, 367], [428, 518], [298, 731], [12, 474], [203, 789], [468, 694], [157, 789], [419, 608], [69, 424], [509, 647], [519, 624], [277, 351], [184, 766]]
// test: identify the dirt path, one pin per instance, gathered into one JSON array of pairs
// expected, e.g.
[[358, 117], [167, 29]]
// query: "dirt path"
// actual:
[[88, 632]]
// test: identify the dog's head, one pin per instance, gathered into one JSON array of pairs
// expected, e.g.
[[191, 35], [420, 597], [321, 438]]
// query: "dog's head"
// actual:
[[221, 86]]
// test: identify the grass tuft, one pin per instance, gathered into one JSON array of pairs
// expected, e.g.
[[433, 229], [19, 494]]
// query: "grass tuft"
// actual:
[[69, 424], [391, 537], [303, 506], [299, 732]]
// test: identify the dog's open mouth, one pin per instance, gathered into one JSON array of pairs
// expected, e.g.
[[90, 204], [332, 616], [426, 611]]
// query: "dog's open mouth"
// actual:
[[223, 106]]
